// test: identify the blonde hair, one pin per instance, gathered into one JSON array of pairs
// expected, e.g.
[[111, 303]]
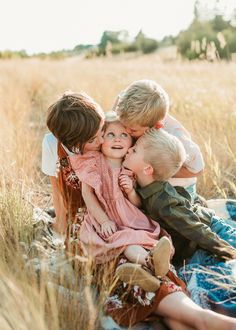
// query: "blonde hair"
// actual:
[[144, 102], [164, 152], [111, 117]]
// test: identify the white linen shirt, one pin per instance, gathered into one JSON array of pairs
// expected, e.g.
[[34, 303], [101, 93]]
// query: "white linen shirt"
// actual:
[[194, 162], [49, 154]]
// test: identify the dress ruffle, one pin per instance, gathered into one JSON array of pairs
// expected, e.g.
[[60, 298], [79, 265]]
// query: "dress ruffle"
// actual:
[[88, 169]]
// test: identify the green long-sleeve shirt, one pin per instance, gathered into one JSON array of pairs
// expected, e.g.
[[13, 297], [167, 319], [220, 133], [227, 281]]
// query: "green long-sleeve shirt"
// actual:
[[188, 224]]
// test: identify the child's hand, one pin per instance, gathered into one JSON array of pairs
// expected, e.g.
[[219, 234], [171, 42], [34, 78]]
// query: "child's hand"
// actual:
[[126, 183], [108, 228]]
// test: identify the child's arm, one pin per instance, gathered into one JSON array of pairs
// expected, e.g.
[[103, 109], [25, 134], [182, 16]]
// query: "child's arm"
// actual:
[[185, 173], [127, 184], [49, 160], [107, 226], [176, 215], [61, 223]]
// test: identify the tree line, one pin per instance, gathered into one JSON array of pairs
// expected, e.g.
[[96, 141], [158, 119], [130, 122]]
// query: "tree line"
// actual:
[[210, 36]]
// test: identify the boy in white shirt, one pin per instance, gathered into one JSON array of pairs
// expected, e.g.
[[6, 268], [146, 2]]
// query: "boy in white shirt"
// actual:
[[145, 104]]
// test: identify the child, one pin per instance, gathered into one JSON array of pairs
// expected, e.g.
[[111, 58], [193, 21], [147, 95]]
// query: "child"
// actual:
[[190, 226], [171, 207], [113, 225], [75, 122], [144, 104], [101, 176]]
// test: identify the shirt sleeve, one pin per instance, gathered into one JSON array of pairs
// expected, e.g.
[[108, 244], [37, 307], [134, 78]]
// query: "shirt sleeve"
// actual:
[[49, 154], [194, 162], [178, 217]]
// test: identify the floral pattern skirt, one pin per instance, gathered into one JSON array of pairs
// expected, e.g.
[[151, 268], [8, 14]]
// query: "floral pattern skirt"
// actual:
[[128, 305]]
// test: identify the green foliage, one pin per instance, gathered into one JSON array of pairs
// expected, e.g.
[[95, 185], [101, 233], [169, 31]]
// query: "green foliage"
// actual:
[[131, 47], [116, 42], [146, 45], [81, 48], [219, 24], [167, 41], [210, 34], [203, 39], [149, 45], [114, 38], [9, 54]]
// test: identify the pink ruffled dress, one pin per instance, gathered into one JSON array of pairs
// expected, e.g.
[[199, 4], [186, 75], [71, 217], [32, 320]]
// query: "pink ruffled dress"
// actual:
[[133, 227]]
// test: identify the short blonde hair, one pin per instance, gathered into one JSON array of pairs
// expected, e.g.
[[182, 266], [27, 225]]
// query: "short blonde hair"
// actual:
[[164, 152], [144, 102]]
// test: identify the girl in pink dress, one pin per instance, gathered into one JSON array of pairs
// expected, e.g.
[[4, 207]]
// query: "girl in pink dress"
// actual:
[[113, 224]]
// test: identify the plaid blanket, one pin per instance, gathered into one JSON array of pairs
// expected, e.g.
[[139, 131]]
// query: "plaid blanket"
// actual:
[[213, 285], [224, 208]]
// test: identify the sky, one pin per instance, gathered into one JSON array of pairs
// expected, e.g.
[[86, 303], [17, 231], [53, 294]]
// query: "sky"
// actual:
[[48, 25]]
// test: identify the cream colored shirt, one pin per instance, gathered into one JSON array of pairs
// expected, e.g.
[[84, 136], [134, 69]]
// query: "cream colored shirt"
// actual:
[[194, 162]]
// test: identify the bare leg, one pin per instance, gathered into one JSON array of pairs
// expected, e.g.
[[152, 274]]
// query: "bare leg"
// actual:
[[136, 254], [158, 260], [176, 325], [179, 307]]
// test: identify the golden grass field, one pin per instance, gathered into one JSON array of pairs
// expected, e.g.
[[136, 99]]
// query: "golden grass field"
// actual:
[[203, 98]]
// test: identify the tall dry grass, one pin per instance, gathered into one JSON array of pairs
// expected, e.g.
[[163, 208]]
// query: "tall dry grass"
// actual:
[[203, 98]]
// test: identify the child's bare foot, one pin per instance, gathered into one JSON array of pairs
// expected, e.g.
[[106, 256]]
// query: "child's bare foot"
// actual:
[[161, 256], [215, 321], [134, 274]]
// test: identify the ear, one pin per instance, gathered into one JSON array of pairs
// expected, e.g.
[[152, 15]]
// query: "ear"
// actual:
[[148, 170]]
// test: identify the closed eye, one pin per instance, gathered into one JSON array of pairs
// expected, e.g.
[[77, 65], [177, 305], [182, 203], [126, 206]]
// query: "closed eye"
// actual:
[[91, 140]]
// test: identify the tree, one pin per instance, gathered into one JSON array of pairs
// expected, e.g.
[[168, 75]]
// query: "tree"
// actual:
[[146, 45], [219, 24], [112, 37], [216, 34]]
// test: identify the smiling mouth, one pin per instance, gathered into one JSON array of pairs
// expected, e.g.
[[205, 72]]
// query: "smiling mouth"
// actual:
[[117, 147]]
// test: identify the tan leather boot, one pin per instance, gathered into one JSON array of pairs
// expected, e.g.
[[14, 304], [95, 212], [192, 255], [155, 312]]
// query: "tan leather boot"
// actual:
[[134, 274], [161, 256]]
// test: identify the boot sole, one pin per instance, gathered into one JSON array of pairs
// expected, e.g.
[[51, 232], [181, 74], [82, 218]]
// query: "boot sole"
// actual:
[[161, 256], [134, 274]]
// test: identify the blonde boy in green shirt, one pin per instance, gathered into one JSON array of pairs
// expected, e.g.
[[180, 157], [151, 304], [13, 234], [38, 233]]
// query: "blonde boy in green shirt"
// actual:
[[155, 158]]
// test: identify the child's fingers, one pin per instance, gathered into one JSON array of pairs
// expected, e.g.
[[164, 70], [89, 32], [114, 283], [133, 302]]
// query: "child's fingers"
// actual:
[[109, 230], [125, 181], [123, 176], [126, 186], [106, 232]]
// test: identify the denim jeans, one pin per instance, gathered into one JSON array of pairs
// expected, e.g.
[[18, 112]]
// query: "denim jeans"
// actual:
[[211, 281], [225, 232]]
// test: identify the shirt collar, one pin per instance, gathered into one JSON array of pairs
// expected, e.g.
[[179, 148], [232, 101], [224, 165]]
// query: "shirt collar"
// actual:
[[151, 189], [70, 153]]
